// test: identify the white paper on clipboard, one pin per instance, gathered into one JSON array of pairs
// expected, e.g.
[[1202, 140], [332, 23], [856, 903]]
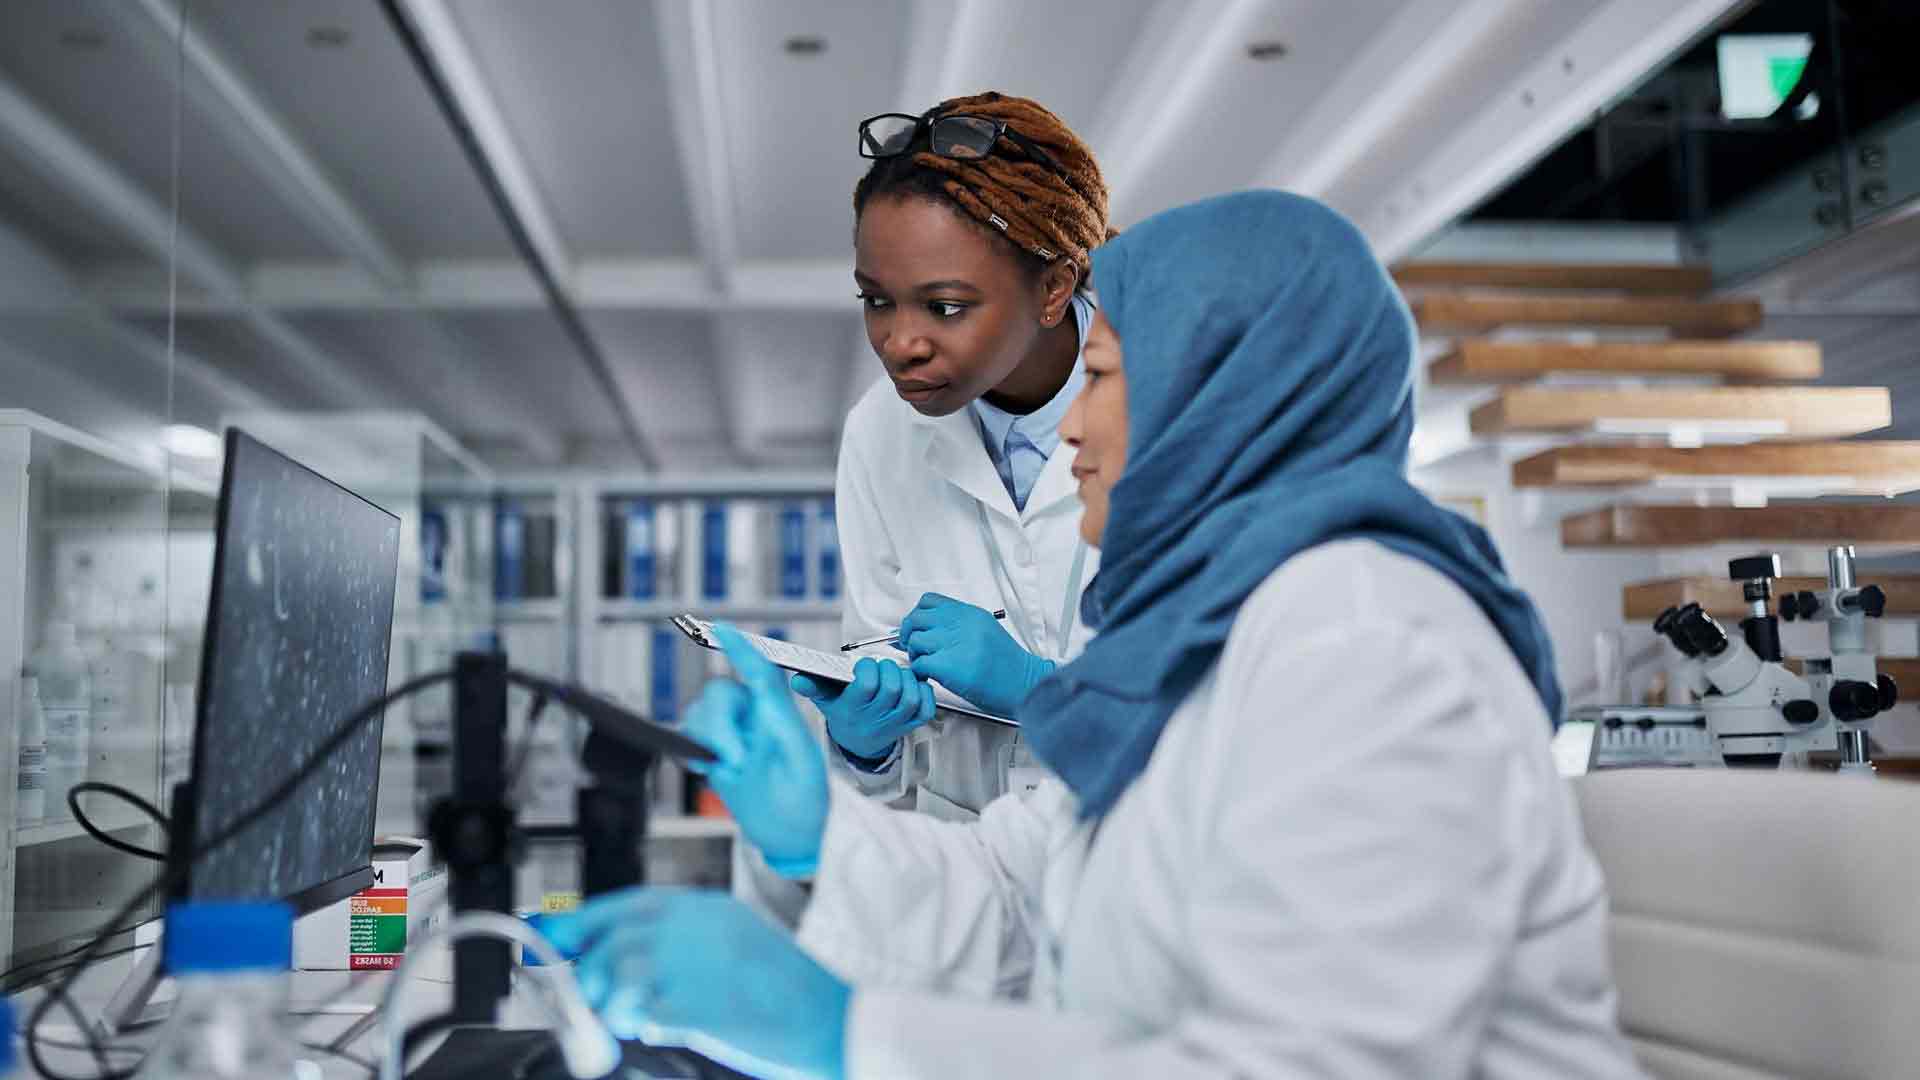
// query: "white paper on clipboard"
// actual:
[[835, 666]]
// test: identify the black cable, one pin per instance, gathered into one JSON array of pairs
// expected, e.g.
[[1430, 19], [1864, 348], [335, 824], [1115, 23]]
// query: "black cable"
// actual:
[[176, 868], [125, 796], [18, 978]]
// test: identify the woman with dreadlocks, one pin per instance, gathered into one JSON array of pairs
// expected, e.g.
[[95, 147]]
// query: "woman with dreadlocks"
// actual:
[[973, 228]]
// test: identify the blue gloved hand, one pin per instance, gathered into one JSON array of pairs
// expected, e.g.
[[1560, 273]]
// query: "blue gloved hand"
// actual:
[[868, 715], [965, 649], [695, 968], [769, 770]]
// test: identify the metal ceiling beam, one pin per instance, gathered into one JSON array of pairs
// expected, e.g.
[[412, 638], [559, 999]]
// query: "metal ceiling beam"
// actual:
[[1606, 54], [239, 114], [1404, 62], [258, 134], [668, 285], [690, 58], [1184, 44], [427, 30], [65, 160]]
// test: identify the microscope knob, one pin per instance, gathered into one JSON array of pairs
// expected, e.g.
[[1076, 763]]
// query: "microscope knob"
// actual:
[[1664, 621], [1873, 601], [1754, 567], [1889, 692], [1800, 713], [1852, 701], [1807, 604]]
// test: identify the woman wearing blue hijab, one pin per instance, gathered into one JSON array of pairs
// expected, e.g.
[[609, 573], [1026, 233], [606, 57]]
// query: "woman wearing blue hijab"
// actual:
[[1306, 820]]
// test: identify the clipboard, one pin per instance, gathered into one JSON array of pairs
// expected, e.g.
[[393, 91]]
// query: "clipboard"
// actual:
[[836, 667]]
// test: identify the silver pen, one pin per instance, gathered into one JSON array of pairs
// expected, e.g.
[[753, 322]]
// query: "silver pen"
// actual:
[[895, 636]]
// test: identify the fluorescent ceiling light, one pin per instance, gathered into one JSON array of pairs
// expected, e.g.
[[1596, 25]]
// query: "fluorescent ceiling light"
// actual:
[[188, 440]]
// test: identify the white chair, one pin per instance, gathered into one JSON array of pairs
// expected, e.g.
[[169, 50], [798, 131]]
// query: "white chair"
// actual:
[[1764, 924]]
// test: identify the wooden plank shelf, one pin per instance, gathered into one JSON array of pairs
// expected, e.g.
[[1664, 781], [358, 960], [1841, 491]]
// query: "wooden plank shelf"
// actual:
[[1481, 361], [1722, 598], [1595, 277], [1904, 670], [1866, 467], [1761, 412], [1820, 524], [1474, 313]]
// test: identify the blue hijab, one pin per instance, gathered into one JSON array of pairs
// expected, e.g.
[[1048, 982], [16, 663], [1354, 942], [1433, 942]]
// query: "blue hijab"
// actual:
[[1269, 365]]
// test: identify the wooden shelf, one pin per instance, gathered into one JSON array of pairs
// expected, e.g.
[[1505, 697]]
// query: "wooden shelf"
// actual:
[[1477, 360], [1467, 313], [1787, 523], [1722, 598], [1903, 670], [1766, 412], [1599, 277], [1851, 467]]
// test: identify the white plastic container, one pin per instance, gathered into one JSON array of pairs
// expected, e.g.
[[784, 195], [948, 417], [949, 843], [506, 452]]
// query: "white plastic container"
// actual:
[[30, 798], [66, 701]]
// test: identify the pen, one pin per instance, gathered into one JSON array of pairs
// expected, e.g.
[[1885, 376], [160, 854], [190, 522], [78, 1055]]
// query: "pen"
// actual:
[[895, 636]]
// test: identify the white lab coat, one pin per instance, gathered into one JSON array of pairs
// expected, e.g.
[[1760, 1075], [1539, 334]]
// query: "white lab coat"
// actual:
[[1350, 856], [920, 509]]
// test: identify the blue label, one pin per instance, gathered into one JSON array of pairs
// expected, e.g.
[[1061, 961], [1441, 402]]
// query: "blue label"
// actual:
[[433, 553], [793, 551], [829, 553], [666, 699], [777, 633], [510, 548], [640, 565], [713, 556]]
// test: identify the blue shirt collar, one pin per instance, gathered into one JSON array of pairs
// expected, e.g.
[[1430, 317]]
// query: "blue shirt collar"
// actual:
[[1041, 426]]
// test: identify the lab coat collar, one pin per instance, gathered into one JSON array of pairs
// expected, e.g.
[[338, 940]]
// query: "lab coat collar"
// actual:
[[953, 450]]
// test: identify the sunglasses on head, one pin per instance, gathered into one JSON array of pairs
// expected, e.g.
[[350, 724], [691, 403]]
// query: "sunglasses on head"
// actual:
[[954, 135]]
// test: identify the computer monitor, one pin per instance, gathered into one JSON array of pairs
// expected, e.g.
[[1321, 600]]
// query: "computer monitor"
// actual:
[[299, 623]]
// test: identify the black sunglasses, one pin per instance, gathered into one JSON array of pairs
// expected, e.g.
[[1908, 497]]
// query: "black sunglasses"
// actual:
[[955, 135]]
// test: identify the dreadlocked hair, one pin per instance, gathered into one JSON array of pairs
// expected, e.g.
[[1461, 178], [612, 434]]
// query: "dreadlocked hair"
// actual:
[[1045, 215]]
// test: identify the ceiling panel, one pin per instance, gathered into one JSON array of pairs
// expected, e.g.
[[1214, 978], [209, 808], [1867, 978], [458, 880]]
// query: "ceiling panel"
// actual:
[[584, 92], [50, 214], [1227, 131], [526, 354], [665, 363], [1059, 54], [361, 109], [786, 374], [228, 345], [790, 119], [74, 60]]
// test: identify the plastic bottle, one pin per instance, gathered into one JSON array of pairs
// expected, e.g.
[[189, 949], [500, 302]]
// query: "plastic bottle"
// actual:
[[8, 1063], [66, 700], [230, 962], [30, 798], [111, 745]]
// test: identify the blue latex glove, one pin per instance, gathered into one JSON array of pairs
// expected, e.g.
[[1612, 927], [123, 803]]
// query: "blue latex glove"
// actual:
[[694, 968], [965, 649], [868, 715], [769, 769]]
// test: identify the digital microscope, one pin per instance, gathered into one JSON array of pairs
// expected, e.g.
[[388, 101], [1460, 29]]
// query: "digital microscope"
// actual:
[[1753, 710]]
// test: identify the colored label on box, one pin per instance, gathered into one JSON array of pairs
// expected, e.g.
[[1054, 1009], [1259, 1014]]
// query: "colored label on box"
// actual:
[[376, 928]]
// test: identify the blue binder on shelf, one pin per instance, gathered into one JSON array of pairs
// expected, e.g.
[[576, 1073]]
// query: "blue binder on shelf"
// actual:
[[713, 550], [829, 552], [641, 570], [793, 551]]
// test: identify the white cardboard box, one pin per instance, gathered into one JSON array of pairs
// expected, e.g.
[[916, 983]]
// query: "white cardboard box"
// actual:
[[371, 928]]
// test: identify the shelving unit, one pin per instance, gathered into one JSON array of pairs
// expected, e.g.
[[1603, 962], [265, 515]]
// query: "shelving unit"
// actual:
[[91, 531]]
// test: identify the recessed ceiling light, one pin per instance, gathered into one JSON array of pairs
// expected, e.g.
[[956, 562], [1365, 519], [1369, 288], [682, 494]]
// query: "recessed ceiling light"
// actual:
[[806, 45], [1267, 50], [328, 37], [85, 38]]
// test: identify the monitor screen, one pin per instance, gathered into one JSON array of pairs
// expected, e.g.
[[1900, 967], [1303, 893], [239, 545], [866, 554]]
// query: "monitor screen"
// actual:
[[298, 627]]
